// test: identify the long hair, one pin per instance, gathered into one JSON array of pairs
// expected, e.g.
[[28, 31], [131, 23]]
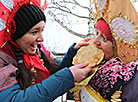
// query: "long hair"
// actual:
[[49, 62], [24, 75]]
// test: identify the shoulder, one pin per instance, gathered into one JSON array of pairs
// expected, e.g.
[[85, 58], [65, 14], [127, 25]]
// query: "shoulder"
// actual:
[[6, 49], [7, 55]]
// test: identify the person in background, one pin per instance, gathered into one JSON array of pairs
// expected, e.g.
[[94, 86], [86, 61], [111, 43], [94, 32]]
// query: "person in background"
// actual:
[[27, 73]]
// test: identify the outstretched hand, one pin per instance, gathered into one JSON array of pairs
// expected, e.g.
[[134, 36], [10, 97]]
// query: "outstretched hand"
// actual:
[[84, 42], [79, 71]]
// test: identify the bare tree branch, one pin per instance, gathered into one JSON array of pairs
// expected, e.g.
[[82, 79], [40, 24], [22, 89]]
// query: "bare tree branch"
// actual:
[[65, 27], [70, 12], [62, 10], [76, 3]]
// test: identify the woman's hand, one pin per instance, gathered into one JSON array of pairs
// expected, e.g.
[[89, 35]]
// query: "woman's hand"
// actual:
[[84, 42], [79, 71]]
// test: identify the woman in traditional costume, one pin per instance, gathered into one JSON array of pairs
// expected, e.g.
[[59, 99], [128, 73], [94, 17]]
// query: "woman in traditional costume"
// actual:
[[117, 24], [25, 66]]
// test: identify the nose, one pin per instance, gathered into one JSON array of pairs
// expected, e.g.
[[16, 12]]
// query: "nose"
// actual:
[[40, 37], [96, 40]]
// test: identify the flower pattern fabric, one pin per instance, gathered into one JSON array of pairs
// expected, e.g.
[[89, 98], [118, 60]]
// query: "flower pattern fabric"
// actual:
[[110, 76], [7, 76]]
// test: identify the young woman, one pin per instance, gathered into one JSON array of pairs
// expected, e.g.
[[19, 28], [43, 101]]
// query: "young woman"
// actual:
[[27, 73]]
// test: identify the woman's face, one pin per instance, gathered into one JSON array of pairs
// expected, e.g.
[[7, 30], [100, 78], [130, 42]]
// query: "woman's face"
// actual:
[[29, 41], [103, 43]]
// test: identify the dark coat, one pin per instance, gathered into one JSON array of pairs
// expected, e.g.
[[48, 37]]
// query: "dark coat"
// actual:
[[130, 90]]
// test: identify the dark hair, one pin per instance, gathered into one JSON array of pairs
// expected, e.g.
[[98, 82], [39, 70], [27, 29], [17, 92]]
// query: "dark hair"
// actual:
[[49, 62], [24, 75]]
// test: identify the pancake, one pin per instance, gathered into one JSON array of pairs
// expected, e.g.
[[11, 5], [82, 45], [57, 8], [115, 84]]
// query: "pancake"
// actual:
[[89, 54]]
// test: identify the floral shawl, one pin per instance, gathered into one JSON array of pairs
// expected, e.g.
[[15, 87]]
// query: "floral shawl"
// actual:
[[7, 71], [111, 76]]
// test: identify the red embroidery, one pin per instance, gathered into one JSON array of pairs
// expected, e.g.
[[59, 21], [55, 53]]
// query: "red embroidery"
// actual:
[[7, 76]]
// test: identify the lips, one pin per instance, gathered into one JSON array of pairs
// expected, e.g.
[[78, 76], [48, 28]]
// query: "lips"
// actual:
[[33, 47]]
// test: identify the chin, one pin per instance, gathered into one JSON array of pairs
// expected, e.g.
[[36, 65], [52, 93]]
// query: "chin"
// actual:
[[31, 52]]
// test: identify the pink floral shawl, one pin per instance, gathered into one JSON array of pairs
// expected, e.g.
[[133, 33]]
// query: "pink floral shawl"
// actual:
[[112, 75]]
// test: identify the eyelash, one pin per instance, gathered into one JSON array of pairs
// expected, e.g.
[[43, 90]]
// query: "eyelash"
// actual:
[[105, 38], [34, 32], [97, 33]]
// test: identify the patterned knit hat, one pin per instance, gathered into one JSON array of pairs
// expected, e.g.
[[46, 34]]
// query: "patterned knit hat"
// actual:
[[104, 28], [25, 18]]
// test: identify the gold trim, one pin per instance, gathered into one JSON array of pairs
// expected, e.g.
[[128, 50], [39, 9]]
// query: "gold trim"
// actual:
[[95, 94]]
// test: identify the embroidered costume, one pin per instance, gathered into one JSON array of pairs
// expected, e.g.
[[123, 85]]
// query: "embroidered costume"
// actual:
[[16, 18], [112, 78]]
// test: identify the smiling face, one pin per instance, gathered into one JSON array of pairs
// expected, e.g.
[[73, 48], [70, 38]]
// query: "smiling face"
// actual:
[[29, 41], [103, 43]]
